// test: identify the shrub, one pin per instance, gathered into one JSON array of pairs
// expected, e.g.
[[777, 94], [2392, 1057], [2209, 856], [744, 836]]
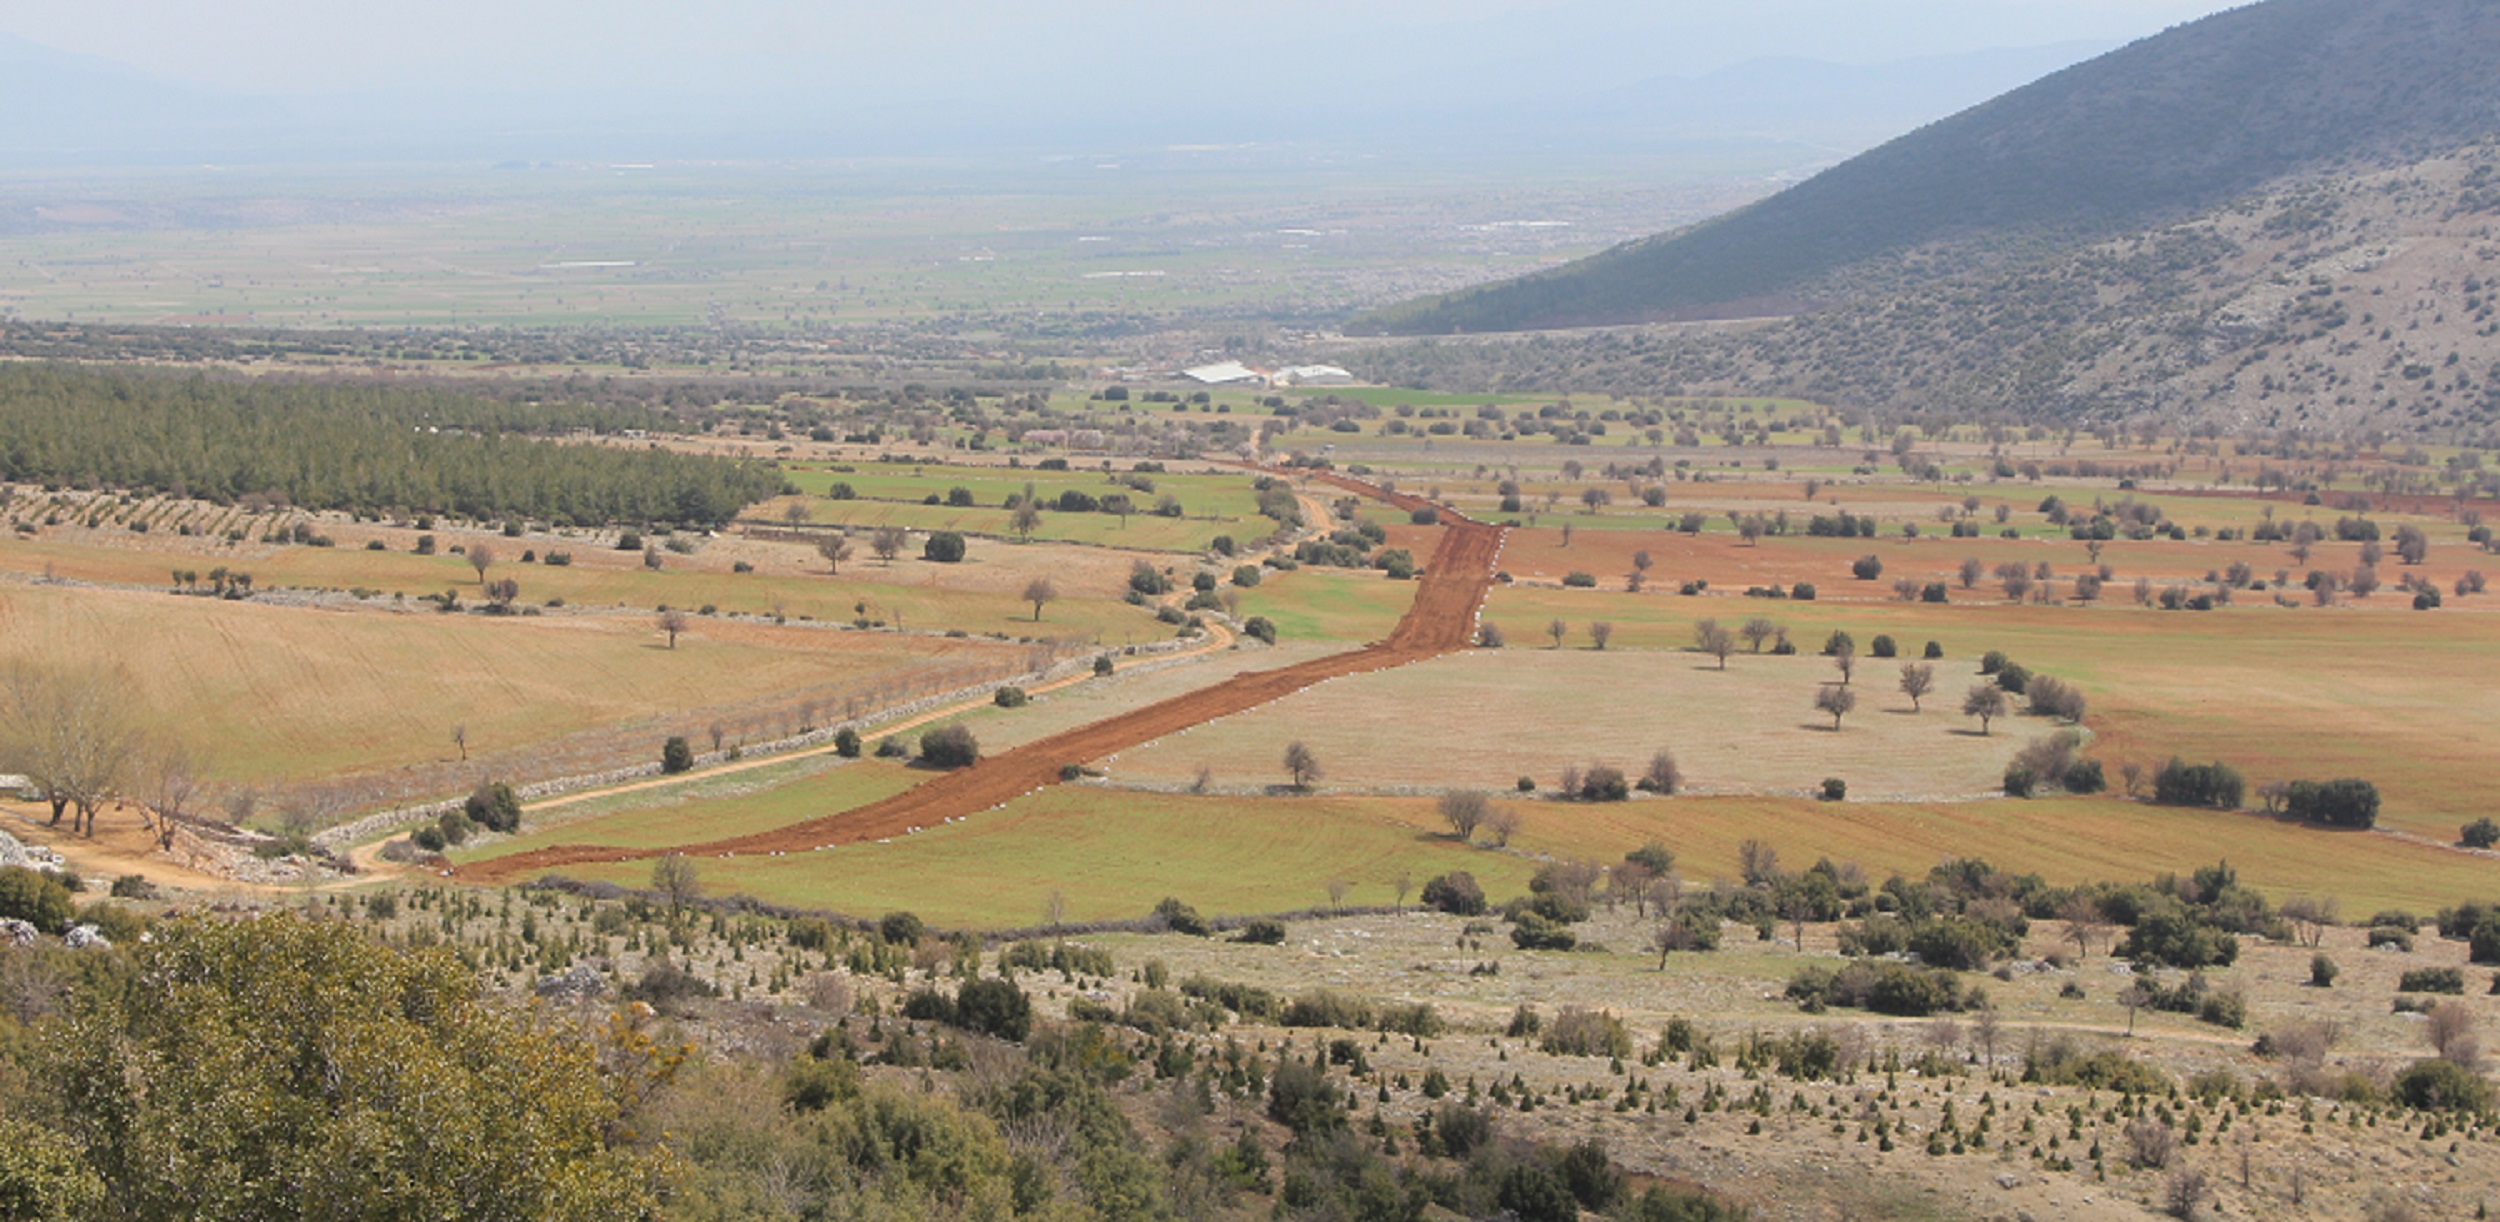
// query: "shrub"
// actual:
[[1455, 893], [1884, 647], [1604, 783], [1181, 918], [846, 743], [1534, 932], [1934, 650], [2432, 980], [1261, 628], [1324, 1008], [2347, 802], [994, 1007], [900, 929], [2480, 834], [493, 806], [428, 838], [1580, 581], [1835, 789], [2171, 937], [1578, 1032], [1248, 576], [2439, 1085], [35, 897], [1010, 697], [1803, 591], [1426, 516], [950, 746], [1867, 567], [676, 755], [2322, 971], [1263, 932], [944, 547]]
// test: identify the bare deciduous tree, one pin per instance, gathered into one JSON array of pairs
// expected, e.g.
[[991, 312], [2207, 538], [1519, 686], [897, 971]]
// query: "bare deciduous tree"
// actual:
[[1714, 640], [1301, 764], [2309, 917], [673, 876], [1845, 660], [1026, 518], [1038, 591], [1465, 810], [173, 785], [1917, 679], [1557, 630], [68, 730], [1337, 887], [2450, 1030], [1985, 701], [1757, 630], [835, 549], [1503, 823], [460, 739], [1837, 701], [672, 622], [481, 558], [1601, 632], [887, 542]]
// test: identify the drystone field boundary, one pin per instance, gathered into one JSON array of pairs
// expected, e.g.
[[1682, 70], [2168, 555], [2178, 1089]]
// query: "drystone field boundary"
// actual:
[[1441, 620]]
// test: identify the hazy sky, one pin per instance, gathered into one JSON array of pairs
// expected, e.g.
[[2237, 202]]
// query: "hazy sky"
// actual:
[[734, 45]]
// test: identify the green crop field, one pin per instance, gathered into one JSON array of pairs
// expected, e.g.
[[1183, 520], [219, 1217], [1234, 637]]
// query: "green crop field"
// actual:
[[1111, 855]]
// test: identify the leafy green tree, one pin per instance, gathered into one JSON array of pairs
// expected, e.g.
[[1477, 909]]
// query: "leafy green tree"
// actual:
[[277, 1067]]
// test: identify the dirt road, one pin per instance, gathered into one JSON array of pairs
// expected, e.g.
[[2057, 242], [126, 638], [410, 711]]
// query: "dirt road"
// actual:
[[1441, 620]]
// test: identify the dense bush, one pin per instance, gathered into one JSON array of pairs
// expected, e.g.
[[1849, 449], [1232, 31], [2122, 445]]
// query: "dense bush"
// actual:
[[943, 546], [1181, 918], [1263, 932], [2172, 937], [1886, 988], [2480, 834], [2346, 802], [1535, 932], [1455, 893], [35, 897], [493, 806], [846, 743], [2437, 1085], [1260, 628], [2180, 783], [994, 1007], [950, 746], [676, 755]]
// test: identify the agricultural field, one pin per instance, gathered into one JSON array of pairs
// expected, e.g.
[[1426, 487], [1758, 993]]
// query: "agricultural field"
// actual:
[[1527, 712], [266, 694]]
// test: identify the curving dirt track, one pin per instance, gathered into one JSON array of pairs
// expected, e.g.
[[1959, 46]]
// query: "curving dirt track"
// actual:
[[1441, 620]]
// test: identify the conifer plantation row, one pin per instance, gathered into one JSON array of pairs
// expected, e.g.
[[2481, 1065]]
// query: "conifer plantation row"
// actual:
[[358, 447]]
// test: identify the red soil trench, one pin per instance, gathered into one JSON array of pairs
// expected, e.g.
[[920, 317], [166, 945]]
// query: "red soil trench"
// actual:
[[1441, 620]]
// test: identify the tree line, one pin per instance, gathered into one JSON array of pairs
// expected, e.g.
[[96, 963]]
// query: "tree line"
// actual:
[[356, 447]]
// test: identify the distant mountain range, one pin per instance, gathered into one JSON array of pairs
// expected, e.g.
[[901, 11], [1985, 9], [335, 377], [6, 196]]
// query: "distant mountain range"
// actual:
[[2152, 133], [72, 110]]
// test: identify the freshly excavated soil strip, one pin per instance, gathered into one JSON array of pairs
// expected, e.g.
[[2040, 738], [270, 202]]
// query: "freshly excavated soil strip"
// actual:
[[1441, 620]]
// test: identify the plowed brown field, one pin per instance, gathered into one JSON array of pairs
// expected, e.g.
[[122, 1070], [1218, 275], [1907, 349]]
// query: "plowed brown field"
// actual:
[[1441, 620]]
